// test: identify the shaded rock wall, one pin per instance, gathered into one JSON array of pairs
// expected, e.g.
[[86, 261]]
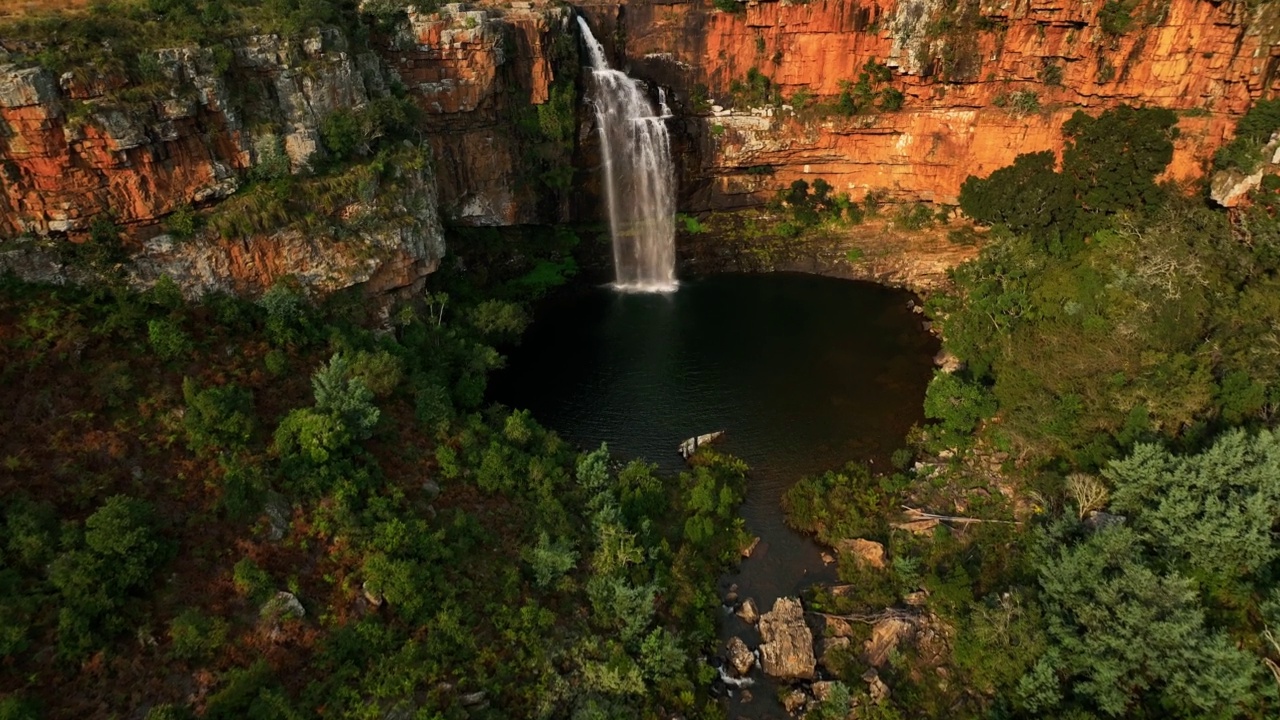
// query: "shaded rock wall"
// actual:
[[472, 72]]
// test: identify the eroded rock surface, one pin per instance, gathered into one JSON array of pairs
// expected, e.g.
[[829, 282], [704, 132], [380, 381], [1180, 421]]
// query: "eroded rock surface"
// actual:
[[787, 648]]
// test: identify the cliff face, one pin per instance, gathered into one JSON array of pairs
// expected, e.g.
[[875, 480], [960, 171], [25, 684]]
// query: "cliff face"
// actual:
[[82, 145], [472, 72], [981, 83], [388, 242], [92, 144]]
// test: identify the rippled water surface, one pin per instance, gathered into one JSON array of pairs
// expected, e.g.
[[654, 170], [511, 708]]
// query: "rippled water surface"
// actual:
[[804, 373]]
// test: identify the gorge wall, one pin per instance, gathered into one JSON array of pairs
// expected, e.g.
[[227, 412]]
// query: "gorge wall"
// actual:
[[980, 82], [966, 71]]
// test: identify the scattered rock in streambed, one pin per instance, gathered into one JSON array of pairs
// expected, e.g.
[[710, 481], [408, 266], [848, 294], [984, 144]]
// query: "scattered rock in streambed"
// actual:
[[731, 597], [822, 689], [741, 659], [794, 701], [787, 650], [748, 612], [751, 547]]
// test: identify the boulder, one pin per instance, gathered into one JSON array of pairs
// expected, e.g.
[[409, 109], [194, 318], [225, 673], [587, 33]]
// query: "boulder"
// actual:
[[1099, 520], [822, 690], [794, 701], [748, 612], [885, 636], [866, 553], [431, 489], [947, 362], [787, 650], [827, 645], [740, 657], [279, 514], [879, 691], [283, 605]]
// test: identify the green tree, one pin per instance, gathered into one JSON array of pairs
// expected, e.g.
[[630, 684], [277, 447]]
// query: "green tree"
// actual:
[[958, 404], [1124, 637], [1114, 158], [310, 435], [1214, 511], [168, 339], [113, 558], [345, 397], [217, 417], [550, 560], [1029, 197]]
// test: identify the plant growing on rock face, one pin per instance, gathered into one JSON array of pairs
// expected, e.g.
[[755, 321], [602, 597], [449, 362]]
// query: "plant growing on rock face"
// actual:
[[1253, 130], [729, 6], [1051, 74], [1116, 17]]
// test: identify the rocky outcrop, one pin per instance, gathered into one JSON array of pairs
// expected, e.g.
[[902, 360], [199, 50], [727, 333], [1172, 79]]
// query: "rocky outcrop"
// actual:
[[787, 648], [864, 553], [74, 150], [388, 244], [886, 635], [1229, 187]]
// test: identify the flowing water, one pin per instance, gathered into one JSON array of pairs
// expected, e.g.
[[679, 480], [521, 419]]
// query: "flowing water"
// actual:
[[804, 373], [639, 176]]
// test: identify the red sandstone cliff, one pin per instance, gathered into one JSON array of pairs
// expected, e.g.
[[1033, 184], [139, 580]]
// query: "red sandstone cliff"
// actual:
[[71, 150], [1208, 60]]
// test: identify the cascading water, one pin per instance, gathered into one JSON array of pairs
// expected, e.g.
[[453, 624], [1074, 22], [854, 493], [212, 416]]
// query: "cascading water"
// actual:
[[639, 177]]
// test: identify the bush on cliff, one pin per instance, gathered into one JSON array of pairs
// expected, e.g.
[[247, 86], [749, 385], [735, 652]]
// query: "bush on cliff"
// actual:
[[1255, 128], [1109, 165]]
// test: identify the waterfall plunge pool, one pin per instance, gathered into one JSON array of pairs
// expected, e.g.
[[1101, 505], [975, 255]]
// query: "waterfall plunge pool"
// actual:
[[803, 372]]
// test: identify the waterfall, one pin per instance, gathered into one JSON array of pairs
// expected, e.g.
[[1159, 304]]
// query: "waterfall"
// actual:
[[639, 177]]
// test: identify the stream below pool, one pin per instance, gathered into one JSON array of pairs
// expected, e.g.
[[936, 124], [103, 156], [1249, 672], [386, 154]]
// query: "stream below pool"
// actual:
[[803, 373]]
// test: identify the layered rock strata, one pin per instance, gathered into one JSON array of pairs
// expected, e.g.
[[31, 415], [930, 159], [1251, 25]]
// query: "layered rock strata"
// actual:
[[981, 83]]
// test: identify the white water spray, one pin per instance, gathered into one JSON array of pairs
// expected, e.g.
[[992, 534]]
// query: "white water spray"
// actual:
[[639, 177]]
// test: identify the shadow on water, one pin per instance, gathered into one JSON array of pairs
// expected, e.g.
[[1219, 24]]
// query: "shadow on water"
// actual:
[[805, 373]]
